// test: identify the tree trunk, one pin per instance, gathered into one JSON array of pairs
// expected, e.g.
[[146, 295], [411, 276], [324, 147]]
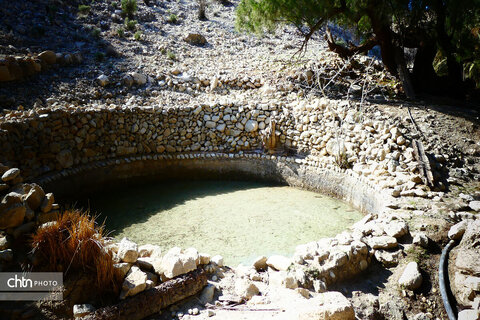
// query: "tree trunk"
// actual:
[[424, 77], [153, 300], [403, 73]]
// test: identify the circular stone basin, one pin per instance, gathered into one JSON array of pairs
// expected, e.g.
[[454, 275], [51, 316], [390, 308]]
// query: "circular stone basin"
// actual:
[[239, 220]]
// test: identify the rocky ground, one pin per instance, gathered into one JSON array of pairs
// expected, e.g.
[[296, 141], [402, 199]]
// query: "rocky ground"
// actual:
[[159, 64]]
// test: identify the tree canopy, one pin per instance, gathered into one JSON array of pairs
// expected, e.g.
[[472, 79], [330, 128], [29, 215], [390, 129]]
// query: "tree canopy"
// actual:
[[444, 33]]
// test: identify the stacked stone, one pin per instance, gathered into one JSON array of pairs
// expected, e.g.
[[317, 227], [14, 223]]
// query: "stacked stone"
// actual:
[[17, 68], [44, 141], [23, 207], [144, 267], [322, 263], [466, 280]]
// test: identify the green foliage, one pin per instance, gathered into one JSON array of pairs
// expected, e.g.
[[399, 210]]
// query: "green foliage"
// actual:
[[130, 24], [96, 33], [449, 27], [172, 18], [171, 55], [138, 35], [129, 7], [99, 56], [121, 32], [84, 9]]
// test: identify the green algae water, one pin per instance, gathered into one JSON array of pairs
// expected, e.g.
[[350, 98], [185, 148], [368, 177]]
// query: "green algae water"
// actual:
[[239, 220]]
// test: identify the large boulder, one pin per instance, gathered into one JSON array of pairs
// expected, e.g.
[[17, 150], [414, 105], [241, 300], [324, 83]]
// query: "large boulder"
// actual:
[[12, 211], [330, 305], [411, 277], [127, 251]]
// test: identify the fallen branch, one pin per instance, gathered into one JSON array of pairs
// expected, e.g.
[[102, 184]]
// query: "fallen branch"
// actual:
[[423, 163], [154, 300]]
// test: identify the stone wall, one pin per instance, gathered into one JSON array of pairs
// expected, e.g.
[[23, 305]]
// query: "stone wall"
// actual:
[[323, 134]]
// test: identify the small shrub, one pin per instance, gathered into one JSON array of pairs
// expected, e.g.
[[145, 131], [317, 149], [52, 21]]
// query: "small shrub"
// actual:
[[114, 5], [201, 10], [129, 7], [73, 244], [99, 56], [96, 33], [83, 9], [171, 55], [130, 24], [172, 18], [121, 32], [138, 35]]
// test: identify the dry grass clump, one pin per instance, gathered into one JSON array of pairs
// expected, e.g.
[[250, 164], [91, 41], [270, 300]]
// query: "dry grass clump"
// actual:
[[73, 244]]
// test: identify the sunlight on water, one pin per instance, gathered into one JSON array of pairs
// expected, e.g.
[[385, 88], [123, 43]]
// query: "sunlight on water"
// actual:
[[239, 220]]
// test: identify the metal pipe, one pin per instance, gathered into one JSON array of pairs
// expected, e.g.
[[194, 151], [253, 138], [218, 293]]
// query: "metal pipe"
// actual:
[[443, 279]]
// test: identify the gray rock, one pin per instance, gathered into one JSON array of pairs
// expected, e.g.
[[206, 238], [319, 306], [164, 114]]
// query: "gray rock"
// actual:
[[387, 258], [328, 306], [127, 251], [474, 205], [123, 268], [468, 314], [245, 289], [10, 174], [218, 260], [175, 263], [279, 263], [12, 211], [103, 80], [82, 310], [396, 229], [260, 263], [138, 78], [456, 232], [35, 196], [411, 277], [206, 296], [6, 255], [195, 39], [420, 239], [150, 250], [251, 126], [47, 203], [135, 282], [382, 242]]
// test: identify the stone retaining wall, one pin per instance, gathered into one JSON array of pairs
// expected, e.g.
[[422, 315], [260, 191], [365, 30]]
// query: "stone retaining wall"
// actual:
[[323, 134]]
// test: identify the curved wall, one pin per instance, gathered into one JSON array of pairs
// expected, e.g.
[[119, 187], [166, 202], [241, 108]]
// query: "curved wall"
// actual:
[[73, 148]]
